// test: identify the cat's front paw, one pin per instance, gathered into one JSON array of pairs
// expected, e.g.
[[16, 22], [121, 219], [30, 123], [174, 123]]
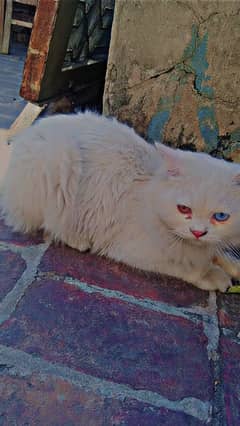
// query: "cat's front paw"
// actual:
[[215, 279]]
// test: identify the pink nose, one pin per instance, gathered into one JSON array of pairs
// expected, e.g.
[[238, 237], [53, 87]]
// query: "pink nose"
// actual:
[[198, 234]]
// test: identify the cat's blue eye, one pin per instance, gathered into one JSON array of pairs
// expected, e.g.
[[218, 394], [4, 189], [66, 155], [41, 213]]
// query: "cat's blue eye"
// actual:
[[221, 217]]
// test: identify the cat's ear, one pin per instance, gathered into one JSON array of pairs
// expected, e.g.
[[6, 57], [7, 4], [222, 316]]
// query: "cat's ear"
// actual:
[[171, 158], [236, 179]]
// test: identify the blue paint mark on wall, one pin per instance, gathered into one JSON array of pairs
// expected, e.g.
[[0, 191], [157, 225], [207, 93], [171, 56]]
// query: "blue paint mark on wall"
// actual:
[[158, 122], [195, 59], [195, 55], [156, 126], [208, 126]]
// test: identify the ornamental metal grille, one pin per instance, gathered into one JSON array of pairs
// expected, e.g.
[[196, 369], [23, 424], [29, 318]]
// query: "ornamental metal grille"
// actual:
[[90, 36]]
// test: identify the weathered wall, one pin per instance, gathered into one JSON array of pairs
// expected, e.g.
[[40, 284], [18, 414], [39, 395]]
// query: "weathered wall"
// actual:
[[174, 72]]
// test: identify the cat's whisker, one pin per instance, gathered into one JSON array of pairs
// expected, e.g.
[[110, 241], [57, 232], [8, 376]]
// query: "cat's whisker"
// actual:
[[180, 235], [176, 239], [235, 250], [230, 246], [221, 253], [233, 254]]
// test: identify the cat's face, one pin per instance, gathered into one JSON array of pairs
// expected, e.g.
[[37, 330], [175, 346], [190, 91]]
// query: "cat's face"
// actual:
[[200, 199], [201, 213]]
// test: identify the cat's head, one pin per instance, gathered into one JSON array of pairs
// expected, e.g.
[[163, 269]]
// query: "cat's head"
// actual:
[[200, 196]]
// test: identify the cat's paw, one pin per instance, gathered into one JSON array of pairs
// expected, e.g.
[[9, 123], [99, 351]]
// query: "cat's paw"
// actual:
[[215, 279]]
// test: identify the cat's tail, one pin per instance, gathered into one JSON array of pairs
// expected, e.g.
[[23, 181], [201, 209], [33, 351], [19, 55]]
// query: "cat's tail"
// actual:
[[5, 153]]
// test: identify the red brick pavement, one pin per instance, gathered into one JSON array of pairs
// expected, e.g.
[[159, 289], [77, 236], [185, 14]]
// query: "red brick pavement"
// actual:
[[86, 341]]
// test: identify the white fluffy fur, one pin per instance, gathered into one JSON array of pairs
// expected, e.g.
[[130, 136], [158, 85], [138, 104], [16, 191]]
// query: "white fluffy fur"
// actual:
[[93, 183]]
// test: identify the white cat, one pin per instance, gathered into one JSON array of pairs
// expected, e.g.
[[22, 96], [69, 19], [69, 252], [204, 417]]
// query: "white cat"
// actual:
[[94, 184]]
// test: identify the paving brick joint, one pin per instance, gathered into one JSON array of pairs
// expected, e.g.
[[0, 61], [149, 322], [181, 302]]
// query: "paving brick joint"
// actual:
[[86, 341]]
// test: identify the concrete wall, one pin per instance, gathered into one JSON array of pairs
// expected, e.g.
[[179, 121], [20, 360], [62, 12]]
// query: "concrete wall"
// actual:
[[174, 72]]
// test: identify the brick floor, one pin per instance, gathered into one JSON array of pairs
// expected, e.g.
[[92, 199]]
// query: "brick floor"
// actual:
[[53, 401], [12, 266], [112, 339], [231, 379], [105, 273], [86, 341]]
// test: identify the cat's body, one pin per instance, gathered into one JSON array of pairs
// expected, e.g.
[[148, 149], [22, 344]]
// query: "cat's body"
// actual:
[[94, 184]]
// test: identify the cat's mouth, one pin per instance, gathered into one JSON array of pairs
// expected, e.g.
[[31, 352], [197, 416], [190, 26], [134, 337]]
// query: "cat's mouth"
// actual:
[[190, 238], [198, 233]]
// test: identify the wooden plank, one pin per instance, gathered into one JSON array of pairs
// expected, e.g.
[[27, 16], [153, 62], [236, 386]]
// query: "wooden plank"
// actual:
[[28, 115], [7, 27], [1, 21], [47, 48], [35, 64], [25, 118], [44, 77], [27, 2], [22, 23]]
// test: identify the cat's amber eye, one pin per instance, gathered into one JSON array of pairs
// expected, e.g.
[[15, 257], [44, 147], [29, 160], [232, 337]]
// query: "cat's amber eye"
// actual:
[[184, 209]]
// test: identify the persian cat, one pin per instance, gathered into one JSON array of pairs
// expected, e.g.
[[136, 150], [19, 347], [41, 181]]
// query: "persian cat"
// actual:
[[94, 184]]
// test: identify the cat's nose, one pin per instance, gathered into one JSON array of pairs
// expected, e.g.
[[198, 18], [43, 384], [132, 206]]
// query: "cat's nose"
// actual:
[[198, 234]]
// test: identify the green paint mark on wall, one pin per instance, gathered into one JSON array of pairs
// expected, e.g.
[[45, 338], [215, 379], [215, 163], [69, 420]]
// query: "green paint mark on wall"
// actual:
[[208, 126], [156, 126], [159, 120], [195, 61]]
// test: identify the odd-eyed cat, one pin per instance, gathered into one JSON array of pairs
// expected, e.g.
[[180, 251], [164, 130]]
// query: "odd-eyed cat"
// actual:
[[96, 185]]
